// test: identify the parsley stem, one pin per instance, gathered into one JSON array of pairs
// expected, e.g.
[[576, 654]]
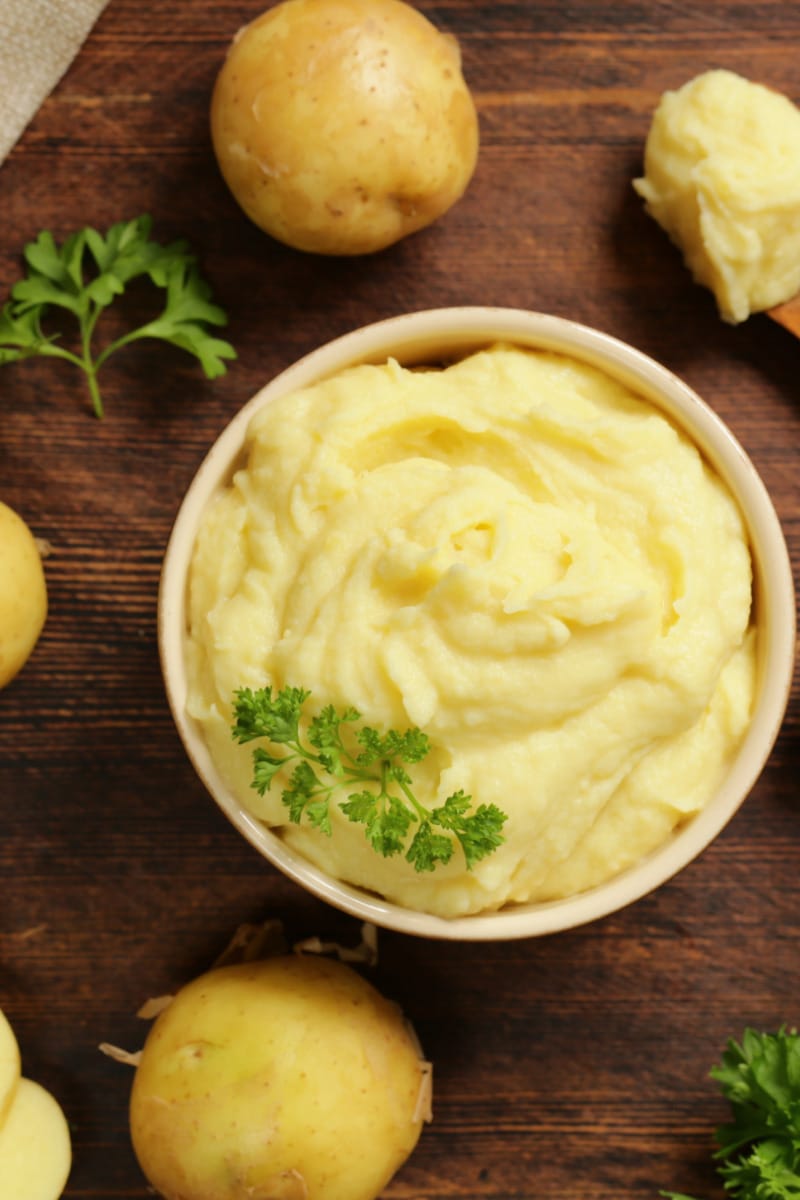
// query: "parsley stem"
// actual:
[[89, 365], [422, 813], [48, 350], [133, 336], [359, 775], [94, 391]]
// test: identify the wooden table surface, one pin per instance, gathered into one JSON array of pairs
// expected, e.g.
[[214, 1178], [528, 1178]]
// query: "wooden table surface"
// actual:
[[570, 1067]]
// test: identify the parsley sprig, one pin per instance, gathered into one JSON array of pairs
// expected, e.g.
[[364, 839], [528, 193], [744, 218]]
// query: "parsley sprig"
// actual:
[[85, 274], [759, 1149], [335, 755]]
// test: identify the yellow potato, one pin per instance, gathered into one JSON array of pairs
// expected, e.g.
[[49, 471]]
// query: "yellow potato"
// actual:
[[286, 1079], [341, 126], [9, 1066], [35, 1147], [23, 593]]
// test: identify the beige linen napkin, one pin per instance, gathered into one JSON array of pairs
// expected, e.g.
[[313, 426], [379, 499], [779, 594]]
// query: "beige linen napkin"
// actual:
[[38, 41]]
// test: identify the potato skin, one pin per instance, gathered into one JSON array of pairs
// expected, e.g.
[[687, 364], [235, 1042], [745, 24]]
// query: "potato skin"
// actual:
[[287, 1079], [341, 126], [23, 594]]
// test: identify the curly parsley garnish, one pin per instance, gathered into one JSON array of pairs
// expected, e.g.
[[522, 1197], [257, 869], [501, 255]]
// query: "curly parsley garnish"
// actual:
[[85, 274], [335, 755], [759, 1149]]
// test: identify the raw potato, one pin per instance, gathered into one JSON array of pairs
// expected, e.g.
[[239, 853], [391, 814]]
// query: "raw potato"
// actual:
[[35, 1149], [23, 594], [9, 1066], [341, 126], [286, 1079]]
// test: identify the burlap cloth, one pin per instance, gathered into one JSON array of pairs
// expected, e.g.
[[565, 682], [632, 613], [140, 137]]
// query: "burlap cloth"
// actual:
[[38, 41]]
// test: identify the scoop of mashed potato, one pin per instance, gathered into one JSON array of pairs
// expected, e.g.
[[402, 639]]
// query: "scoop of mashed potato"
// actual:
[[722, 177], [515, 554]]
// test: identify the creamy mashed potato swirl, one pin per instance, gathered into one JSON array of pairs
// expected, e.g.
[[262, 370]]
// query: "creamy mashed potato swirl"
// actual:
[[515, 554], [722, 178]]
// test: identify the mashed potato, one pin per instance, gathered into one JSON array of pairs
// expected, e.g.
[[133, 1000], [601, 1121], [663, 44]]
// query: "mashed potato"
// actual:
[[517, 555], [722, 177]]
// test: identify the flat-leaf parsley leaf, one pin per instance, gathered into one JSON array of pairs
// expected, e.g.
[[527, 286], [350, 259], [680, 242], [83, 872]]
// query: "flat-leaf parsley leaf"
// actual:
[[85, 274], [330, 755]]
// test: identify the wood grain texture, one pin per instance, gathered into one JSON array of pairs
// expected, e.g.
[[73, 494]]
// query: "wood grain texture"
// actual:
[[572, 1067]]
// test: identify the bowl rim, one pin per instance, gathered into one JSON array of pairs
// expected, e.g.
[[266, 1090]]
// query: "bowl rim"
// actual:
[[453, 331]]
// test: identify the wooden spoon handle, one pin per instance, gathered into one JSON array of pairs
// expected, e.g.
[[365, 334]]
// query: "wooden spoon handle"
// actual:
[[788, 315]]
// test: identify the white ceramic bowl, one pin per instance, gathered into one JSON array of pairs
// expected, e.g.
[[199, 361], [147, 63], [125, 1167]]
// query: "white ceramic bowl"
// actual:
[[431, 336]]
